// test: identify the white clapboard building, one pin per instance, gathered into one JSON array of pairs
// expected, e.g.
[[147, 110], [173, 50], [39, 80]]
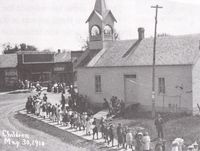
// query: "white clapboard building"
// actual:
[[123, 68]]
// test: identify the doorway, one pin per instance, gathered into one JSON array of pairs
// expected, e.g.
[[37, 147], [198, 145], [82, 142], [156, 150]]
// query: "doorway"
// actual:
[[130, 88]]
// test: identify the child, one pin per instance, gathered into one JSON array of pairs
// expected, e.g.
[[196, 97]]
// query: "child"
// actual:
[[180, 142], [72, 120], [119, 135], [106, 133], [88, 126], [146, 142], [65, 119], [95, 129], [175, 146], [190, 148], [129, 139], [139, 143], [159, 145], [196, 146], [102, 125], [124, 131], [111, 135]]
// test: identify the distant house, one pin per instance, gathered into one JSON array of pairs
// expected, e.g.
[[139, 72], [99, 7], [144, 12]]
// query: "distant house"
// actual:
[[8, 70], [124, 68], [63, 66]]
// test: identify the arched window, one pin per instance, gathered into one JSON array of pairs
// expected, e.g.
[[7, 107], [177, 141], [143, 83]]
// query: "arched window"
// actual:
[[95, 30], [108, 30]]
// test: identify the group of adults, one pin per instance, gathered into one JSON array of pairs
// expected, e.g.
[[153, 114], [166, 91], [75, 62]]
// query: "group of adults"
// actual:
[[26, 84], [114, 105]]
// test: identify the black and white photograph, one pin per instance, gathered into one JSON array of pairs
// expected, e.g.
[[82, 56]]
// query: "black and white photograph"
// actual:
[[99, 75]]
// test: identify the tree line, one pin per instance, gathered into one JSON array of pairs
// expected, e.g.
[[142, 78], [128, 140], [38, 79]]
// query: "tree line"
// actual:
[[9, 49]]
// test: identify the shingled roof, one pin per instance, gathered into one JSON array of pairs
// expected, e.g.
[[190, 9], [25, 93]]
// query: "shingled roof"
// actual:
[[64, 56], [8, 61], [170, 50]]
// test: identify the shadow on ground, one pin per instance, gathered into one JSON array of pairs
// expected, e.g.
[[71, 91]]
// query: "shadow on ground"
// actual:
[[61, 134]]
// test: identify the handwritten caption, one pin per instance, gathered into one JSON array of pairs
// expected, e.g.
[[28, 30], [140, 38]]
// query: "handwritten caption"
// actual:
[[13, 138]]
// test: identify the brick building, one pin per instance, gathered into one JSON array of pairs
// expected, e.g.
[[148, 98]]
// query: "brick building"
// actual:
[[37, 66]]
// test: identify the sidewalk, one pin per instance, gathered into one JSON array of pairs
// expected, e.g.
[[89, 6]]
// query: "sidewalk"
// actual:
[[81, 133], [15, 91]]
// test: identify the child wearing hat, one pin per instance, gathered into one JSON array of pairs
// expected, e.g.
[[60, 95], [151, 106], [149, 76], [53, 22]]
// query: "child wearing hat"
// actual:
[[190, 148], [175, 145], [139, 141], [146, 142], [95, 129], [159, 145], [196, 146], [129, 139]]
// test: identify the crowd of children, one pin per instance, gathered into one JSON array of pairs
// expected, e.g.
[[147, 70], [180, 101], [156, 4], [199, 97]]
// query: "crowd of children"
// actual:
[[138, 140]]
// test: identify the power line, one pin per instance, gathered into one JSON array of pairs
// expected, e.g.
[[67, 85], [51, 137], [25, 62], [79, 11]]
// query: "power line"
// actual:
[[154, 59]]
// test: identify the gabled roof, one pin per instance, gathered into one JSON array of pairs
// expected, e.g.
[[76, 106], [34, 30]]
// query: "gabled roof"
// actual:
[[94, 13], [170, 50], [8, 61], [111, 14], [86, 57], [101, 11]]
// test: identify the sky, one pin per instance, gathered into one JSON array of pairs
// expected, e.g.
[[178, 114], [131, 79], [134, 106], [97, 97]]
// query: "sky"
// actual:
[[60, 24]]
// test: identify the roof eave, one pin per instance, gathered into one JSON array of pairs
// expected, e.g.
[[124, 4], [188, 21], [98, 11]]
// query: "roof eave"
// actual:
[[94, 12], [110, 12]]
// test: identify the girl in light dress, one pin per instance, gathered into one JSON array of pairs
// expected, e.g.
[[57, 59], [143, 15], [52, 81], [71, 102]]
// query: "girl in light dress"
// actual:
[[146, 142], [88, 126], [129, 139], [175, 146], [37, 107]]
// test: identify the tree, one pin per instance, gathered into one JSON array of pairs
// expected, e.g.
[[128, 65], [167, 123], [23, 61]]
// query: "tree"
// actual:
[[85, 45], [31, 48], [23, 47], [8, 48]]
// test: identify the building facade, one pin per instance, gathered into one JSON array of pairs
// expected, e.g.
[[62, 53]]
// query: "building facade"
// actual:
[[8, 71], [45, 67]]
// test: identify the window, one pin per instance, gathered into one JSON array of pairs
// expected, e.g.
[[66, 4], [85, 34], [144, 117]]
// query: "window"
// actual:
[[98, 83], [161, 85], [108, 30], [95, 31]]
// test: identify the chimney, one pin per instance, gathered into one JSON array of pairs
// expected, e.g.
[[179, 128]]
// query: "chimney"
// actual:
[[140, 33]]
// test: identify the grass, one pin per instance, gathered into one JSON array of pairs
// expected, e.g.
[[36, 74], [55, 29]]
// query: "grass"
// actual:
[[187, 127]]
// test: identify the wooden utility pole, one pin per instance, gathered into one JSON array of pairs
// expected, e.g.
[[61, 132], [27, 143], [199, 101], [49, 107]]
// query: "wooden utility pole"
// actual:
[[154, 61]]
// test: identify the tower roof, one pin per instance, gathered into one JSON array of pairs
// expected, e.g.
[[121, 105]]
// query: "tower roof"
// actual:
[[100, 7], [101, 10]]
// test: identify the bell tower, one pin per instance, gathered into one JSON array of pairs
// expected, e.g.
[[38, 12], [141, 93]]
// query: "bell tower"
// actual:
[[101, 25]]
